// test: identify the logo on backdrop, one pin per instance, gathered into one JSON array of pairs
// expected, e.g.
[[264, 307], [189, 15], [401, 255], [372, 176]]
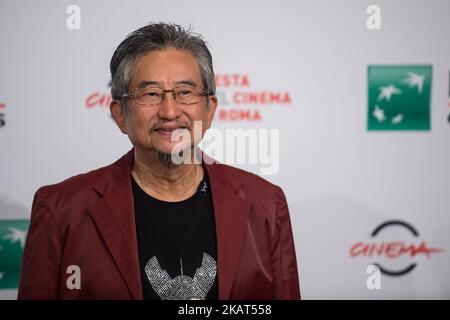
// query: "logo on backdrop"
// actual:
[[99, 99], [448, 118], [2, 114], [399, 97], [13, 234], [394, 257], [238, 102]]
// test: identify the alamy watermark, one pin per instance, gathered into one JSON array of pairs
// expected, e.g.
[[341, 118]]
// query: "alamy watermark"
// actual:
[[73, 21], [231, 146], [373, 21], [73, 281], [374, 279]]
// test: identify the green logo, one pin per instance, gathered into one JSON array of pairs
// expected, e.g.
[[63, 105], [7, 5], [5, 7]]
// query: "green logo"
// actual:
[[13, 234], [399, 97]]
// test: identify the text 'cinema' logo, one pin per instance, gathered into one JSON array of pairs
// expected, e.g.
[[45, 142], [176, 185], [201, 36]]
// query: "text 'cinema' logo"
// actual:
[[388, 251], [237, 101], [99, 99]]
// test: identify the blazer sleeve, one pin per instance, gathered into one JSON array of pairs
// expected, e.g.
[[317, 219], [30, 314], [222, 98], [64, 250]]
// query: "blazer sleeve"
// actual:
[[284, 262], [40, 264]]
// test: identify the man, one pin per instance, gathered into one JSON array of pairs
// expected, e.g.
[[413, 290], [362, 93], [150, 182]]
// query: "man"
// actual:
[[157, 224]]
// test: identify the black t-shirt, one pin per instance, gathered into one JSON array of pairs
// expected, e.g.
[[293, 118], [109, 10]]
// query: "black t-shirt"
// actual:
[[177, 245]]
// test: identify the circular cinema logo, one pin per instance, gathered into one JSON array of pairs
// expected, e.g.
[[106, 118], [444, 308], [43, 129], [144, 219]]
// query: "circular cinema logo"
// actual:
[[386, 252]]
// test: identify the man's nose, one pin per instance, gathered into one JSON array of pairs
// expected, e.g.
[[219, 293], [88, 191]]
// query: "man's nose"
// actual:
[[169, 108]]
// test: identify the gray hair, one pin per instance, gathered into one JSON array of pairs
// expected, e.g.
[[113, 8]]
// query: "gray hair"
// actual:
[[158, 36]]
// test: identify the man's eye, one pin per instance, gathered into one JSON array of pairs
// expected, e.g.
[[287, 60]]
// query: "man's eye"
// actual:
[[151, 94], [185, 92]]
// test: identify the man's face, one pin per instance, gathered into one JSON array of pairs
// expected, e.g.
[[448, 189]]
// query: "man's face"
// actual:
[[147, 126]]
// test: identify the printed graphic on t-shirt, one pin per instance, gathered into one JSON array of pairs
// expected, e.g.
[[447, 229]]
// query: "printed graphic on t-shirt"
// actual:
[[182, 287]]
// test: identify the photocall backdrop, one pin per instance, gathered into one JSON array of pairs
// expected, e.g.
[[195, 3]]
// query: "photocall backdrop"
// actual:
[[360, 96]]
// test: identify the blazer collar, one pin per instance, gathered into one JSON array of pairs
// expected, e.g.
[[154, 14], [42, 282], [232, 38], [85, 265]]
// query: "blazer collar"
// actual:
[[113, 214]]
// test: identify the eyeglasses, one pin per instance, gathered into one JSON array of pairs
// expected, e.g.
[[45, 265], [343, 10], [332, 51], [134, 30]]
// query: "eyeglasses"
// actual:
[[153, 95]]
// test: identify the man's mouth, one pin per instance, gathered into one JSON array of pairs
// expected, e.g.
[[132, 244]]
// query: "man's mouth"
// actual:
[[169, 129]]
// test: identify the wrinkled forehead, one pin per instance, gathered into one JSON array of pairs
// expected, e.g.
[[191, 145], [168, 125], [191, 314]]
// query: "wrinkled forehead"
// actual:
[[166, 68]]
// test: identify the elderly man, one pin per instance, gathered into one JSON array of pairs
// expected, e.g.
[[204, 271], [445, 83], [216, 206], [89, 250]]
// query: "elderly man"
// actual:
[[158, 223]]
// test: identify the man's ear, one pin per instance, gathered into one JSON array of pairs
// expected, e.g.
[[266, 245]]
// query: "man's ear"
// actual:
[[119, 117], [211, 110]]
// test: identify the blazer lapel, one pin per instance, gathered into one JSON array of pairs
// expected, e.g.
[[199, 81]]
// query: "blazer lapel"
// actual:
[[231, 214], [114, 216]]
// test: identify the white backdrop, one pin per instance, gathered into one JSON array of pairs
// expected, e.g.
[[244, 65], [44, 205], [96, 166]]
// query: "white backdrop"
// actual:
[[341, 180]]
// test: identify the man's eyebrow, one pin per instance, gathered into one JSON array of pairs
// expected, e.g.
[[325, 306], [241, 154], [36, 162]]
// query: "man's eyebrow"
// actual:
[[187, 82], [145, 83]]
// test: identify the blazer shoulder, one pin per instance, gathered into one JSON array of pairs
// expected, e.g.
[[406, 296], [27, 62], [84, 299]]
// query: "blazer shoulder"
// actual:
[[68, 200], [74, 189], [74, 183], [86, 180]]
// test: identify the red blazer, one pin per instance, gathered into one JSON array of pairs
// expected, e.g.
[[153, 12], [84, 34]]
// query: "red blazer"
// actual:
[[88, 221]]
